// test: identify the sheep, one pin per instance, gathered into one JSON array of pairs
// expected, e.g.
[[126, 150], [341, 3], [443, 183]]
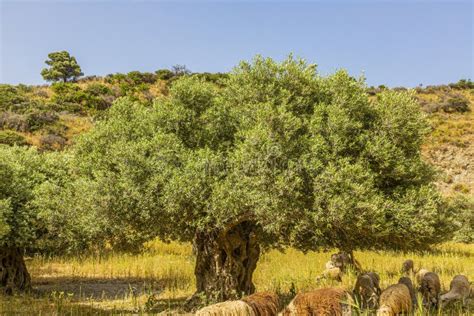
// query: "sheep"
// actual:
[[330, 265], [395, 300], [228, 308], [430, 287], [331, 274], [327, 301], [263, 304], [343, 260], [408, 267], [419, 275], [367, 290], [459, 290], [409, 284], [376, 279]]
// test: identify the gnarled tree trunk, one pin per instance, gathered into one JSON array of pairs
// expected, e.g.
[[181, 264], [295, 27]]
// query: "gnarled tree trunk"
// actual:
[[225, 261], [13, 272]]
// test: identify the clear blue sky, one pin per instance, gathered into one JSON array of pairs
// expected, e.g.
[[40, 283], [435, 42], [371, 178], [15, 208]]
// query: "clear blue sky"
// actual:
[[399, 43]]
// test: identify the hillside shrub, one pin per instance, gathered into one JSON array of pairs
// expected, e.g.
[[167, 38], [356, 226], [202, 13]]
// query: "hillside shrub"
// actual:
[[98, 89], [14, 121], [65, 92], [164, 74], [136, 77], [457, 103], [12, 138], [462, 84], [72, 97], [10, 97], [52, 142], [37, 119], [463, 206], [216, 78]]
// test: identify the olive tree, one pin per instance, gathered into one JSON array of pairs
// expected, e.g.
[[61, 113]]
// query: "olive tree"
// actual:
[[62, 66], [21, 171], [276, 156], [37, 215]]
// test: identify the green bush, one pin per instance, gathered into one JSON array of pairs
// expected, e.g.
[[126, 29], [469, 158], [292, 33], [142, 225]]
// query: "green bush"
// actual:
[[67, 93], [14, 121], [37, 119], [70, 95], [164, 74], [52, 142], [456, 104], [10, 96], [462, 84], [12, 138], [137, 77], [463, 206], [216, 78], [97, 89]]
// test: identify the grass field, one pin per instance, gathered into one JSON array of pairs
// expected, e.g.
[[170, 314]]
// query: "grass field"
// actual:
[[160, 279]]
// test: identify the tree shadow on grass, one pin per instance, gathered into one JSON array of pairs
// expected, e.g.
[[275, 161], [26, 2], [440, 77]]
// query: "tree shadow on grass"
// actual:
[[83, 288]]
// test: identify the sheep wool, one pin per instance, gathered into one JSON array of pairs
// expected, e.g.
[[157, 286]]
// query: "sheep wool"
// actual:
[[409, 284], [333, 274], [327, 301], [430, 289], [395, 300], [459, 290], [330, 265], [419, 275], [263, 304], [408, 266], [228, 308], [366, 290]]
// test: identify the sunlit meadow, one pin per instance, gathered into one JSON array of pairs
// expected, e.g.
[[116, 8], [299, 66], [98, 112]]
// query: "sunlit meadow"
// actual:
[[161, 278]]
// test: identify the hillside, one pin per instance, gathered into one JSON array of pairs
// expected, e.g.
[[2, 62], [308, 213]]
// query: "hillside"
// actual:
[[51, 116]]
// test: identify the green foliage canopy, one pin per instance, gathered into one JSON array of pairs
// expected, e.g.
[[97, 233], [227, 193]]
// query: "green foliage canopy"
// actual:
[[36, 212], [21, 170], [309, 159]]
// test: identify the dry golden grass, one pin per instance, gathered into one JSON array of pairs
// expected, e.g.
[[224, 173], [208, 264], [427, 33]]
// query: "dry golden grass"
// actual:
[[455, 128], [162, 277], [75, 125]]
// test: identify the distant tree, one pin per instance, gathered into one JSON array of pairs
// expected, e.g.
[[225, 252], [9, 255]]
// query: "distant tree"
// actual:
[[277, 156], [180, 70], [62, 67]]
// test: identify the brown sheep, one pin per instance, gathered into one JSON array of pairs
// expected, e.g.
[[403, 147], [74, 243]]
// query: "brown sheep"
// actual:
[[376, 279], [367, 290], [408, 267], [409, 284], [459, 290], [328, 301], [228, 308], [430, 288], [263, 304], [395, 300]]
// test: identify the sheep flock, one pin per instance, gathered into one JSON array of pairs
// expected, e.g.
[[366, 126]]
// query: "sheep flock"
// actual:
[[418, 291]]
